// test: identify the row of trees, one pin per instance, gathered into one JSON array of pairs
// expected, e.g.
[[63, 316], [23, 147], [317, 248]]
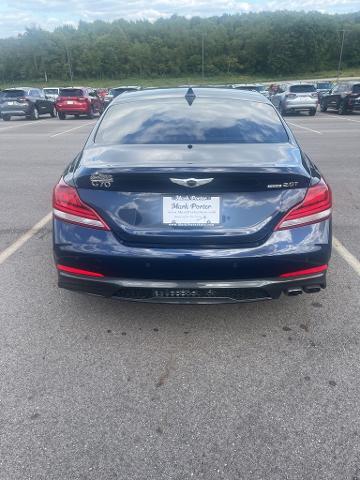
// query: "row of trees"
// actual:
[[267, 43]]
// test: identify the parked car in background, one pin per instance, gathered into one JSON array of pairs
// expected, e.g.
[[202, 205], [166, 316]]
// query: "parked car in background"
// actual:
[[52, 93], [78, 101], [323, 88], [29, 102], [344, 97], [116, 91], [296, 97], [102, 92], [255, 87], [197, 195]]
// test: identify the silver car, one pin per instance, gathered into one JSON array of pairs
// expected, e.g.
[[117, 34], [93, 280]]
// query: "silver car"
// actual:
[[296, 97], [255, 87], [52, 93]]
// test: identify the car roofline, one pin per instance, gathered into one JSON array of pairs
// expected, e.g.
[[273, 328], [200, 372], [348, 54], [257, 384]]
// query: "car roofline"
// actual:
[[180, 92]]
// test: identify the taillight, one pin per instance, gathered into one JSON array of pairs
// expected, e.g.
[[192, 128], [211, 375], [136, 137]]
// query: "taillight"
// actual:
[[315, 95], [306, 271], [290, 95], [78, 271], [68, 206], [82, 99], [315, 207], [22, 100]]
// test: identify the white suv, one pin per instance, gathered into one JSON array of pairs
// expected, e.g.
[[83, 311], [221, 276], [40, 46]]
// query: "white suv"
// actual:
[[296, 97]]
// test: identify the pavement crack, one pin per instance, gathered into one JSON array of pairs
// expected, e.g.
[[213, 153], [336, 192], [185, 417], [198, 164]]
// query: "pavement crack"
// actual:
[[166, 374]]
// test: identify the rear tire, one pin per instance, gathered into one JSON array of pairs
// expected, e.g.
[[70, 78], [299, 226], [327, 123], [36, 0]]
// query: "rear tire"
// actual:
[[6, 118], [312, 112], [342, 109], [53, 112], [282, 110], [77, 116], [323, 107], [61, 115], [34, 114]]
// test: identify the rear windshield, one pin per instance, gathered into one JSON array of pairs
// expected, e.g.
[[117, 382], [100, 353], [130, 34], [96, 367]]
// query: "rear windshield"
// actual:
[[253, 88], [117, 91], [71, 92], [201, 123], [356, 88], [302, 88], [14, 93], [323, 85], [51, 91]]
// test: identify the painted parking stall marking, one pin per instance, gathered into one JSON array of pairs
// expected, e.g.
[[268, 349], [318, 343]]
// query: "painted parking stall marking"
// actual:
[[15, 246], [72, 129], [19, 125], [305, 128], [346, 255]]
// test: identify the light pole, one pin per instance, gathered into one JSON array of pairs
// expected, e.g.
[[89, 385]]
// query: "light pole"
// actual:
[[202, 57], [341, 52]]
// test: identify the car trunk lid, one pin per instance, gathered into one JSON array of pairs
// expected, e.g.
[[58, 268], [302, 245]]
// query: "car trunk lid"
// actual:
[[142, 191]]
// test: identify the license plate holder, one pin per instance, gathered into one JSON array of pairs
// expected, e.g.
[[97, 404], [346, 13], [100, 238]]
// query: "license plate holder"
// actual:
[[191, 210]]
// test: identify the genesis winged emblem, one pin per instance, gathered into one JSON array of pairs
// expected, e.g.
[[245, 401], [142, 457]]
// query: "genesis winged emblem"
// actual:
[[191, 182]]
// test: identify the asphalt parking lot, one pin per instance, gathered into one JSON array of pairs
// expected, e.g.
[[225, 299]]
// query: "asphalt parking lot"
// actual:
[[95, 389]]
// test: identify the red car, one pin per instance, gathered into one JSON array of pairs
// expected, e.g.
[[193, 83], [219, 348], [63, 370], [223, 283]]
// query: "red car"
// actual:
[[78, 101]]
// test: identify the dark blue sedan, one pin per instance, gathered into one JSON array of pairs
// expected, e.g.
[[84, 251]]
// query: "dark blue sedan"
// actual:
[[195, 196]]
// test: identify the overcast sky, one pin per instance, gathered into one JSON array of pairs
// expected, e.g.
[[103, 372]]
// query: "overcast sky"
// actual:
[[15, 15]]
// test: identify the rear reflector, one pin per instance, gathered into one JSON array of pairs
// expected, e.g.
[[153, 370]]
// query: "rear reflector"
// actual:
[[68, 206], [307, 271], [78, 271], [315, 207]]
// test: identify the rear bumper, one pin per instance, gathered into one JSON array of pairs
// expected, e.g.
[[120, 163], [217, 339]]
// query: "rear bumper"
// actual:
[[300, 106], [76, 110], [254, 272], [193, 291], [16, 112]]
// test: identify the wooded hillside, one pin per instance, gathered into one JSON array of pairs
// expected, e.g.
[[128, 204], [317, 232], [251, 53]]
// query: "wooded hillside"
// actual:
[[262, 43]]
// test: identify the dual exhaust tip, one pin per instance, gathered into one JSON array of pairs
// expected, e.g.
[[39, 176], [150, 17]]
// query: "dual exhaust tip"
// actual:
[[293, 291]]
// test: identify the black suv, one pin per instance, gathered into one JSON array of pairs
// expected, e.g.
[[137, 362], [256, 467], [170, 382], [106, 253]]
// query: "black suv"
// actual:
[[344, 97], [25, 101]]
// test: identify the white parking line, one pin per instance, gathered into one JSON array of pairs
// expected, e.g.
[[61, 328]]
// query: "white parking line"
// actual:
[[305, 128], [343, 118], [71, 129], [2, 129], [5, 254], [346, 255]]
